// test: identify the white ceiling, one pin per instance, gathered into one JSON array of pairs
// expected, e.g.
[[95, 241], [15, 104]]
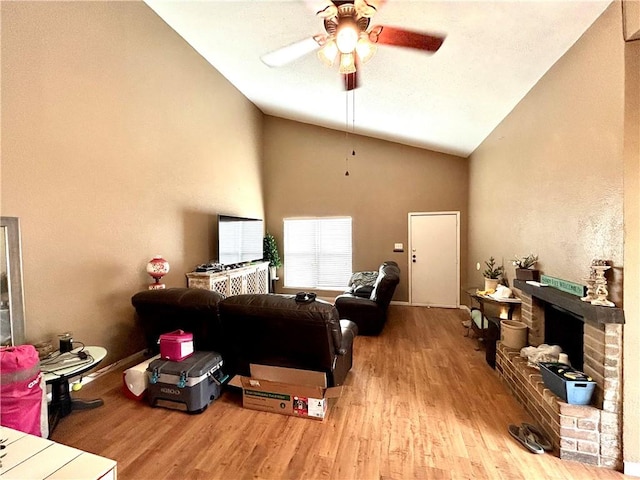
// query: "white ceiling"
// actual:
[[450, 101]]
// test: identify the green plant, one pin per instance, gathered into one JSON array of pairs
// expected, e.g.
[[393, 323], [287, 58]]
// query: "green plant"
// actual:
[[525, 262], [492, 271], [270, 251]]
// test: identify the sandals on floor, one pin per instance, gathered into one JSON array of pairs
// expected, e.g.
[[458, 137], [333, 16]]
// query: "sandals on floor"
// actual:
[[538, 436], [526, 438]]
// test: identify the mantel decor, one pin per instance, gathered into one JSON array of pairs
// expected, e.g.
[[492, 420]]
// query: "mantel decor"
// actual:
[[524, 267], [563, 285]]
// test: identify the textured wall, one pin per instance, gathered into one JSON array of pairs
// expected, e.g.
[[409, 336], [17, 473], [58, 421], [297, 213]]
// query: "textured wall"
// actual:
[[631, 386], [556, 176], [119, 142], [304, 176], [549, 179]]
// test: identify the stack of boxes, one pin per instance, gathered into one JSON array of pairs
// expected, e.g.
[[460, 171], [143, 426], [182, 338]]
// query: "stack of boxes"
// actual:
[[179, 377]]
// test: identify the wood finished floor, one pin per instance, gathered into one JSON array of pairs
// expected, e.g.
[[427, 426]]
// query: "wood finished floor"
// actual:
[[420, 402]]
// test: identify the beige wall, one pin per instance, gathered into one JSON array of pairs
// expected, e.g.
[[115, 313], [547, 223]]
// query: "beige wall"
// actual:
[[631, 385], [305, 176], [119, 142], [550, 178]]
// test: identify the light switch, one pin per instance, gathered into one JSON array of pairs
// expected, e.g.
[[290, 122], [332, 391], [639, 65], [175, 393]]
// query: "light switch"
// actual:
[[398, 247]]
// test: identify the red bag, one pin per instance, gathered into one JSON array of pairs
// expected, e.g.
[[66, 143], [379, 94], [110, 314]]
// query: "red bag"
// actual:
[[22, 391]]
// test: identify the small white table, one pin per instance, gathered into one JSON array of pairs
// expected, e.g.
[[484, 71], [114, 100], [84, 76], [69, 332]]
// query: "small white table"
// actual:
[[57, 372], [28, 456]]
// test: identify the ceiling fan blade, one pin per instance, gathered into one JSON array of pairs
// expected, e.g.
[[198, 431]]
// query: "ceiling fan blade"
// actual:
[[400, 37], [367, 8], [351, 81], [322, 8], [287, 54]]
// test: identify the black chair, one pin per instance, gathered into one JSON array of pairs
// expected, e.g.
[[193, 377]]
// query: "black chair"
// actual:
[[370, 312]]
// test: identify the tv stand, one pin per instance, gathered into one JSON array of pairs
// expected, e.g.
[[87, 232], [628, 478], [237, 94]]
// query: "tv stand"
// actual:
[[253, 278]]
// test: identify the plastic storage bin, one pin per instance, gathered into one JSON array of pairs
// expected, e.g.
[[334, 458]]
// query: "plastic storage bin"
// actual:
[[571, 385], [176, 345]]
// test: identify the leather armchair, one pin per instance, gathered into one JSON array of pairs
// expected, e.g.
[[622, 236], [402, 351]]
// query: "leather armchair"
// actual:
[[276, 330], [370, 313]]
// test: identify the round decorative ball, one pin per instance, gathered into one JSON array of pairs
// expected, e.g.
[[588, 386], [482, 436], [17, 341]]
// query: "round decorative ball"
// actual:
[[157, 267]]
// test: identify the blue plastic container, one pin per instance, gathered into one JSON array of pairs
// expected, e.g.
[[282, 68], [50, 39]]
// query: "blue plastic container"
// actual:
[[573, 386]]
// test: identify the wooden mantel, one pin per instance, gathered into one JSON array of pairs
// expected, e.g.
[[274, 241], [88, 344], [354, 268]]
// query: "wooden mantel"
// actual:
[[591, 313]]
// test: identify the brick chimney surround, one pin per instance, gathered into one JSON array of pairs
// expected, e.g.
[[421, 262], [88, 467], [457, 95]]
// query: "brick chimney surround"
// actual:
[[590, 434]]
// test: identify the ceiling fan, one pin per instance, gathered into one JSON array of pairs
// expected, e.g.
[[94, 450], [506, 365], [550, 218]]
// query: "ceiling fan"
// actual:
[[348, 40]]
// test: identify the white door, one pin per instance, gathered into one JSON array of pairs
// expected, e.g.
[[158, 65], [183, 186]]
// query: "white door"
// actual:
[[434, 259]]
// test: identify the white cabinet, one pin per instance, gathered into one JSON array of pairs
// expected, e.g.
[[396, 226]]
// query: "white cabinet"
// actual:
[[249, 279]]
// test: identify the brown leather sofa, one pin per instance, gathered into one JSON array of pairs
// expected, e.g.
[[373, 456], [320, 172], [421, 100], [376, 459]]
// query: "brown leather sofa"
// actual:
[[190, 309], [367, 305], [277, 330], [265, 329]]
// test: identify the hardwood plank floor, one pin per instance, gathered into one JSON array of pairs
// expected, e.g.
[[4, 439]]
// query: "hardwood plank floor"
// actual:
[[419, 403]]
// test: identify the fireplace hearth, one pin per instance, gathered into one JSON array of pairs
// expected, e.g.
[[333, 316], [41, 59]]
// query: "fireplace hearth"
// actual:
[[589, 434], [566, 329]]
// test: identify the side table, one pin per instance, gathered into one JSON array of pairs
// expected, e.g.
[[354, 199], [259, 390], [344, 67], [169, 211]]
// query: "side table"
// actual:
[[483, 300], [57, 372]]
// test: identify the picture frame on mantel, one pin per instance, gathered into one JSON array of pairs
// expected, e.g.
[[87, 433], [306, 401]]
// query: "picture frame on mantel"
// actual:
[[12, 321]]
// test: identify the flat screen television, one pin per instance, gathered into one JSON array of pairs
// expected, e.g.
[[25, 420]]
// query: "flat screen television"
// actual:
[[239, 239]]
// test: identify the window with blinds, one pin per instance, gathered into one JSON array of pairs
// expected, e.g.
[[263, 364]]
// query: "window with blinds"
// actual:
[[317, 252]]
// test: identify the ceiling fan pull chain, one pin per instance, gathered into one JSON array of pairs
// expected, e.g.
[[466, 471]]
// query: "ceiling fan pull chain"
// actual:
[[346, 131]]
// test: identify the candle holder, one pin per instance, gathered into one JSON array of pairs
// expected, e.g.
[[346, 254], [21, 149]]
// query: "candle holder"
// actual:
[[157, 267], [591, 287], [601, 291]]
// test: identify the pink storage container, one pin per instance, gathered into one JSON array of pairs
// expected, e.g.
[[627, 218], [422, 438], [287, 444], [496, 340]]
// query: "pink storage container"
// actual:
[[176, 346], [23, 391]]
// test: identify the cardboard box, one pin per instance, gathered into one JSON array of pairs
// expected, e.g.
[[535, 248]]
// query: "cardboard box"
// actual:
[[288, 391]]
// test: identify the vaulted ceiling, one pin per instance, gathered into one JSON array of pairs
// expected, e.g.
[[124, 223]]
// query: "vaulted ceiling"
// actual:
[[449, 101]]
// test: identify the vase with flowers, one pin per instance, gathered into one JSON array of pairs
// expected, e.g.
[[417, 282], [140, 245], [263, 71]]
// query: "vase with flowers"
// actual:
[[524, 267]]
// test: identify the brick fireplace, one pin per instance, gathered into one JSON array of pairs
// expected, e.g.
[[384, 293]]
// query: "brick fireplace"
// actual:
[[592, 433]]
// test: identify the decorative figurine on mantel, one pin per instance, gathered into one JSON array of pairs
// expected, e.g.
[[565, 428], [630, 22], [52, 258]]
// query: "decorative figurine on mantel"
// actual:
[[598, 296], [157, 267], [591, 286]]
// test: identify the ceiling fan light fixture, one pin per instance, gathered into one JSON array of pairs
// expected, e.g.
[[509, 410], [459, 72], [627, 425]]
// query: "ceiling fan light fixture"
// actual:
[[365, 49], [347, 63], [328, 53], [366, 8], [347, 36]]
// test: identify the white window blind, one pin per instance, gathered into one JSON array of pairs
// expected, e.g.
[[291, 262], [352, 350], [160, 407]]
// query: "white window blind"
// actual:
[[317, 252]]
